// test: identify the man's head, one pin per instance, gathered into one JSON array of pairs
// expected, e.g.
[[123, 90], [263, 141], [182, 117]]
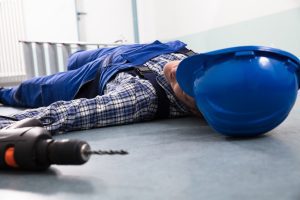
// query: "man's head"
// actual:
[[170, 73]]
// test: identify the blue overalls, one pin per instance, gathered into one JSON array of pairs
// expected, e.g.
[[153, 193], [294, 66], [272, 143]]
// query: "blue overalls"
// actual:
[[82, 68]]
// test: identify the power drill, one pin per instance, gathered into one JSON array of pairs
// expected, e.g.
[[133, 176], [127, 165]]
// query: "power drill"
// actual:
[[26, 145]]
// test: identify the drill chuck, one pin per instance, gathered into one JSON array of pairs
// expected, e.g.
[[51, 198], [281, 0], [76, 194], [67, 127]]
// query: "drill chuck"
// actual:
[[68, 152]]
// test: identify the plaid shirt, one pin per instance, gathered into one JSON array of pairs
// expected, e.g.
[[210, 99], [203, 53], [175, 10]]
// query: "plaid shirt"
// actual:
[[126, 99]]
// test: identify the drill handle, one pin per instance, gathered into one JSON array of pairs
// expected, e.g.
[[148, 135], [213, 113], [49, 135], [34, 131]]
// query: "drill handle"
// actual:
[[18, 147]]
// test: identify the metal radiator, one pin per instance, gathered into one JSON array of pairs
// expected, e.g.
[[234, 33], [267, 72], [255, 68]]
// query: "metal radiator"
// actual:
[[45, 58], [12, 28]]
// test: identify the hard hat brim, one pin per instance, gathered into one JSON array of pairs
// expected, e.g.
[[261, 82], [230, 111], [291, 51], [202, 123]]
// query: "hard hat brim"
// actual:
[[189, 67]]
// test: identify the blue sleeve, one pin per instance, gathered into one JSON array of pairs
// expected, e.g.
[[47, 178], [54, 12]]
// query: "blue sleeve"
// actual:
[[82, 57]]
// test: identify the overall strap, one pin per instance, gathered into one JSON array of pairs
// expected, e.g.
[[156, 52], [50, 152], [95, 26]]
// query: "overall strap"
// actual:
[[187, 52], [163, 103]]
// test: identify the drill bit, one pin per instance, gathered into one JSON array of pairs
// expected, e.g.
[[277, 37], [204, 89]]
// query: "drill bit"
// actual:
[[87, 152], [108, 152]]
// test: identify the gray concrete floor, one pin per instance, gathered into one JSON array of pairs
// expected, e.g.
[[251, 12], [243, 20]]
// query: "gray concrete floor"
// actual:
[[171, 159]]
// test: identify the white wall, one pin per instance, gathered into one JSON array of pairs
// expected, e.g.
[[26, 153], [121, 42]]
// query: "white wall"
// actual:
[[55, 20], [105, 21], [158, 19], [47, 20], [147, 22], [163, 19]]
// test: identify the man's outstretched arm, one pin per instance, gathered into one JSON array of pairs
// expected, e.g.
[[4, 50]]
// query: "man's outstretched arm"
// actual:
[[128, 99]]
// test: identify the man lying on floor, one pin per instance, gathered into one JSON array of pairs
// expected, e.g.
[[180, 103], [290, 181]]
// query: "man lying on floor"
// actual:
[[104, 87], [234, 89]]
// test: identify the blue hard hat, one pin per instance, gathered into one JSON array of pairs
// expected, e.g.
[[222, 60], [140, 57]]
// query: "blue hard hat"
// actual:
[[242, 91]]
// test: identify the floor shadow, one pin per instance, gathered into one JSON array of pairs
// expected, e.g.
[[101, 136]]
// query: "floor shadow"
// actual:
[[45, 182]]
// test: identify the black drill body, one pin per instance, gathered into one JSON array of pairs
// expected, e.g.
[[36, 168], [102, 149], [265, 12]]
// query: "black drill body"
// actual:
[[35, 149]]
